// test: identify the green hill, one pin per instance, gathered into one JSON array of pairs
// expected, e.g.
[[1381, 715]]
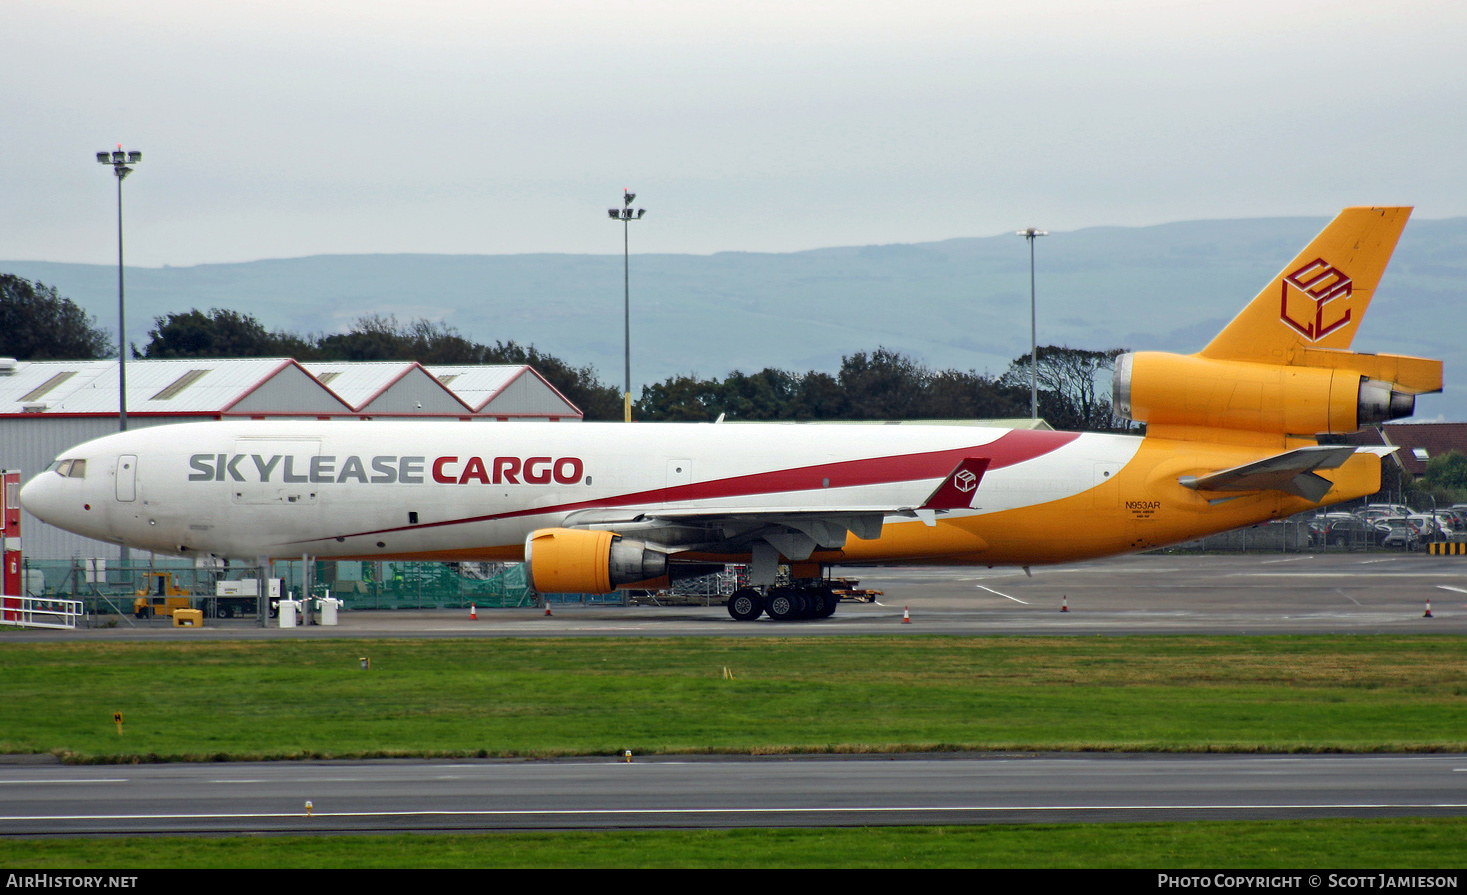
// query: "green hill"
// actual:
[[960, 303]]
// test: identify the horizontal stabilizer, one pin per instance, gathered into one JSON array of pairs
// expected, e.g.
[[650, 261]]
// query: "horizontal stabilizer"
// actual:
[[1291, 472]]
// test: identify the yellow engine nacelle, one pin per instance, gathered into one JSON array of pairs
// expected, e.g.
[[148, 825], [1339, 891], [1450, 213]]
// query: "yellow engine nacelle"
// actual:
[[1171, 389], [573, 561]]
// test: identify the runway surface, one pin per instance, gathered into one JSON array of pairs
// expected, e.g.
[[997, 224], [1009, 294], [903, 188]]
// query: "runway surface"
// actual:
[[396, 796]]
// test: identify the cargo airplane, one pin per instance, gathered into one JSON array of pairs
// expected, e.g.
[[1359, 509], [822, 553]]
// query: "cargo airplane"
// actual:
[[1234, 436]]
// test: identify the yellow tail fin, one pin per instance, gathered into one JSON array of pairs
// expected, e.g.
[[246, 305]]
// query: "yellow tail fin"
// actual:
[[1319, 298], [1283, 367]]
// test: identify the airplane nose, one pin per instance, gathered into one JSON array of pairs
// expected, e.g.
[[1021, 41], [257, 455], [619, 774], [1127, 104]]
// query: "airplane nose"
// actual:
[[40, 497], [57, 501]]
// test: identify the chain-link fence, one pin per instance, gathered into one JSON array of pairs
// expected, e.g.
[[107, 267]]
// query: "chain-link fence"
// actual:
[[135, 588]]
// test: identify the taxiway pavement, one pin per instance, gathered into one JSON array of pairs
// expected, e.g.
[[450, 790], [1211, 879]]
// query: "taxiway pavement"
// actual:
[[1357, 593]]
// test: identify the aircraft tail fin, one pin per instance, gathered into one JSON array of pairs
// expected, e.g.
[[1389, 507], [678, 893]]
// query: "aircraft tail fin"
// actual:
[[1319, 298], [1283, 366]]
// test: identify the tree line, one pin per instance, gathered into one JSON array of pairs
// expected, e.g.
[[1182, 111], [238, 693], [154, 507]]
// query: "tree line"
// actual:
[[38, 324], [888, 385]]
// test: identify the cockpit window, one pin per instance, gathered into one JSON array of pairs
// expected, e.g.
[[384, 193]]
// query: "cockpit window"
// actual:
[[70, 469]]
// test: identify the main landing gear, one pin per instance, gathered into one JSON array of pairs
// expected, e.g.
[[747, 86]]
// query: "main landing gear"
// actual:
[[784, 602]]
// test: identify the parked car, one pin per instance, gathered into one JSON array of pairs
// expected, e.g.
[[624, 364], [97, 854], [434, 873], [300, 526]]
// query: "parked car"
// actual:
[[1431, 527], [1386, 509], [1399, 533], [1346, 530]]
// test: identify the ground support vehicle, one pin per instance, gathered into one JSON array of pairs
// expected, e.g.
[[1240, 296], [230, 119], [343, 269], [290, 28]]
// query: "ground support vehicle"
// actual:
[[160, 596]]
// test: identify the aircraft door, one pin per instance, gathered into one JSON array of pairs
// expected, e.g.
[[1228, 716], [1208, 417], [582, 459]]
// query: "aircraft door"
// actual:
[[127, 478]]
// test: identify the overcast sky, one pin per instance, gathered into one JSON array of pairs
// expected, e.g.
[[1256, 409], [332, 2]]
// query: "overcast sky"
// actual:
[[281, 128]]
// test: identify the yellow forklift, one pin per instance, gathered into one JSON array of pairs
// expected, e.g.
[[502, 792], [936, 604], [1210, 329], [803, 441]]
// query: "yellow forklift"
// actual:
[[160, 596]]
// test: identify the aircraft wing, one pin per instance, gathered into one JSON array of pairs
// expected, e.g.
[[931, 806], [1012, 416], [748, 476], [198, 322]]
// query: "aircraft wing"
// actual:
[[1291, 472], [796, 532]]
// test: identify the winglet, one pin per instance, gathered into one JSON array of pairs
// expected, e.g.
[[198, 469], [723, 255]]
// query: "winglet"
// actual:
[[957, 489]]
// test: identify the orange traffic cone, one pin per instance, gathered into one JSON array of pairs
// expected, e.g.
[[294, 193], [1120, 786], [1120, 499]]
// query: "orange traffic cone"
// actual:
[[1065, 603], [906, 616], [547, 610], [473, 612], [1428, 610]]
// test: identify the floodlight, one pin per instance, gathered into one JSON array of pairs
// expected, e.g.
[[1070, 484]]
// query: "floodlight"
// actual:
[[626, 214], [1030, 234]]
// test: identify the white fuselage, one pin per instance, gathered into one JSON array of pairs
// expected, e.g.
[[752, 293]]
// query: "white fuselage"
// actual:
[[463, 490]]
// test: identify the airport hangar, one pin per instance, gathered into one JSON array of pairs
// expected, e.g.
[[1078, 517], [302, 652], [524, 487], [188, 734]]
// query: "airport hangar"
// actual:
[[47, 407]]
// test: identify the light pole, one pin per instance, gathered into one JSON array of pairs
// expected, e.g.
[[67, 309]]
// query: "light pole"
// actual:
[[1030, 234], [626, 215], [120, 161]]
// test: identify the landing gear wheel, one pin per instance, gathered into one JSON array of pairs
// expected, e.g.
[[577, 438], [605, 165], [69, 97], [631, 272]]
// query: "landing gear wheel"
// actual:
[[831, 601], [746, 604], [781, 605]]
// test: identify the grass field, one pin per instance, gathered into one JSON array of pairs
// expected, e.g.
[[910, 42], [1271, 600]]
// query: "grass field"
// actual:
[[282, 700], [277, 699], [1373, 844]]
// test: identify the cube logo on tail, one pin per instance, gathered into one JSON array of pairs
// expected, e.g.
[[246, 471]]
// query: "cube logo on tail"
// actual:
[[956, 491], [1306, 293]]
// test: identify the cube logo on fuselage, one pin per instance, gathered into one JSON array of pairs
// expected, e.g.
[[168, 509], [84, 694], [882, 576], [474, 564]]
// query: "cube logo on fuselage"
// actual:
[[385, 469]]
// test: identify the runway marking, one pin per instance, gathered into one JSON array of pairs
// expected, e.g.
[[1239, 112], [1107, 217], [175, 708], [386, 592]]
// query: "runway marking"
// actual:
[[1460, 590], [639, 812], [313, 780], [1005, 596], [1392, 575], [94, 780]]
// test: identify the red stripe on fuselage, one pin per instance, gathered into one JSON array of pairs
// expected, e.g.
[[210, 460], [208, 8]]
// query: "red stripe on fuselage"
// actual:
[[1015, 446]]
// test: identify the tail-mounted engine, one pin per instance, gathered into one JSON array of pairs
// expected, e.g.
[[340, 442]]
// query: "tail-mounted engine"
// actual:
[[576, 561], [1339, 395]]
